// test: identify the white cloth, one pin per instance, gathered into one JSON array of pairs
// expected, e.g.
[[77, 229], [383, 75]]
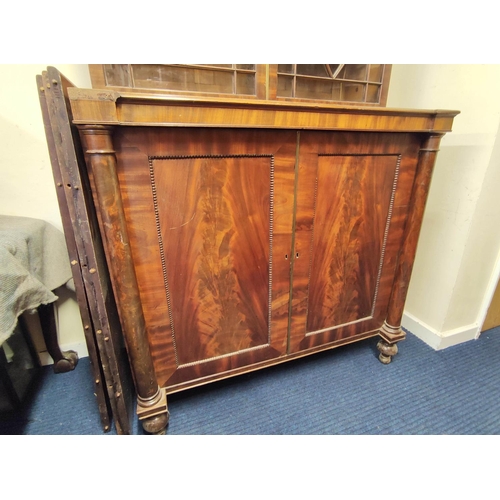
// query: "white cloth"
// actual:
[[33, 262]]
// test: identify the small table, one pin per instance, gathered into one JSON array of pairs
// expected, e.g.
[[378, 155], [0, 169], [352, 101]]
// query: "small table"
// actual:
[[33, 263]]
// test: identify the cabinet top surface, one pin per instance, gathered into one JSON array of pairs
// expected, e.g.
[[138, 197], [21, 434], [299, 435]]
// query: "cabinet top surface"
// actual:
[[108, 107]]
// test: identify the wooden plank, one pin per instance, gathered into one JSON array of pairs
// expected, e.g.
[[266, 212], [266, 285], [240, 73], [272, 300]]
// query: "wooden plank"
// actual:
[[103, 318], [81, 296]]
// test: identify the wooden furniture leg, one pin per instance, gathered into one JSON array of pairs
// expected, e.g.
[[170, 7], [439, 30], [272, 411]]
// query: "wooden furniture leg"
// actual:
[[391, 331], [151, 399], [64, 361], [387, 351]]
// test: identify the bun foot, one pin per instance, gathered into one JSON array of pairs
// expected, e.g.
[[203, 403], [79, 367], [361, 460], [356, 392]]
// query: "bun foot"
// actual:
[[387, 351], [67, 363], [157, 424]]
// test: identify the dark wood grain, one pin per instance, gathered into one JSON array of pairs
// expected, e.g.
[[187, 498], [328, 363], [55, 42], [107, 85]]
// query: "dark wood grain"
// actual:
[[352, 197], [214, 219], [101, 161], [352, 208], [208, 212], [427, 159]]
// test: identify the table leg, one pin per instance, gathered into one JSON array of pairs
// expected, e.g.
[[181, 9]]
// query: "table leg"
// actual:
[[64, 361]]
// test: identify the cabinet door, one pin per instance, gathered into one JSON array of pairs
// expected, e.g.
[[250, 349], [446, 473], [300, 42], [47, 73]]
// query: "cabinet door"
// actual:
[[353, 191], [207, 211]]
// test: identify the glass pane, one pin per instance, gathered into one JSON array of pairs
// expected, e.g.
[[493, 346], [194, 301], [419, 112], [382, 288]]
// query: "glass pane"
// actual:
[[285, 86], [373, 93], [246, 66], [355, 71], [336, 91], [313, 70], [245, 83], [334, 68], [376, 72], [309, 88], [157, 76], [285, 68], [117, 75], [341, 71], [354, 92]]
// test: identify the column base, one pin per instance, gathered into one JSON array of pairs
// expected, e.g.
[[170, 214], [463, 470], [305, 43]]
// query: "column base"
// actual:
[[387, 344], [153, 412], [391, 334]]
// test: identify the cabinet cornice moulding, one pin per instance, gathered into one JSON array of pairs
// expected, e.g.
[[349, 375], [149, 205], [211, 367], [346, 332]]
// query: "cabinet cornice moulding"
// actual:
[[115, 108]]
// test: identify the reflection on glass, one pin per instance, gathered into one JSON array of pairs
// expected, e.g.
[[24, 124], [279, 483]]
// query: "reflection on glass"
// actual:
[[285, 86], [313, 89], [376, 72], [353, 92], [246, 66], [372, 94], [336, 91], [245, 83], [117, 75], [314, 70], [285, 68], [355, 71], [182, 78]]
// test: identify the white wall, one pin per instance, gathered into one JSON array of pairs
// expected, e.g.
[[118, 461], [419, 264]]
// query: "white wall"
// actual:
[[27, 186], [457, 259]]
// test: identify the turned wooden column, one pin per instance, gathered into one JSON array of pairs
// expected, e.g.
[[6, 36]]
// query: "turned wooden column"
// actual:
[[101, 160], [391, 331]]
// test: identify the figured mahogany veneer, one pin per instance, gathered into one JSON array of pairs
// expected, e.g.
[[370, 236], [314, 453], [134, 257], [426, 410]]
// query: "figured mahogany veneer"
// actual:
[[243, 234]]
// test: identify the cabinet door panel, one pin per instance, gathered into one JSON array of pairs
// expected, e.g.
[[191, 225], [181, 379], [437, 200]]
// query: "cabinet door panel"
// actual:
[[201, 206], [348, 231], [352, 208], [214, 224]]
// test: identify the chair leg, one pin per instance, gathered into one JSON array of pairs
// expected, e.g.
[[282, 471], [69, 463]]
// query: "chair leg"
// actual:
[[64, 361]]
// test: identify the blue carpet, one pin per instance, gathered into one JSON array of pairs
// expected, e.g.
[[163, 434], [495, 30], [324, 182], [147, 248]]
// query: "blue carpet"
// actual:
[[346, 391]]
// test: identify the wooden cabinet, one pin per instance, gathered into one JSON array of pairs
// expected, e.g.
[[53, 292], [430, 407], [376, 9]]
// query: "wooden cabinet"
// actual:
[[241, 234]]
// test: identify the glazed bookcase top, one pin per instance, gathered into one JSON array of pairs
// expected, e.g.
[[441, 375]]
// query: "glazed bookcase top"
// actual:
[[343, 83]]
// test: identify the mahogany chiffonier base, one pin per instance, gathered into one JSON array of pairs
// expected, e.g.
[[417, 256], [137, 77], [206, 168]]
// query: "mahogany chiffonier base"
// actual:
[[242, 234]]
